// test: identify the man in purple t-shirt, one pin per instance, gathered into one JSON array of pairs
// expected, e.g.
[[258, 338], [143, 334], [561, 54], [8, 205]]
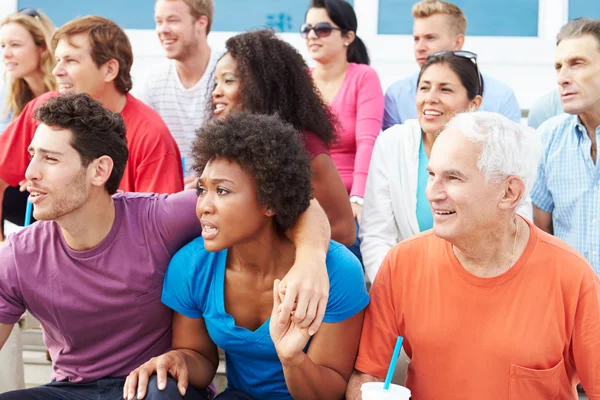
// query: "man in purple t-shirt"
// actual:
[[91, 270]]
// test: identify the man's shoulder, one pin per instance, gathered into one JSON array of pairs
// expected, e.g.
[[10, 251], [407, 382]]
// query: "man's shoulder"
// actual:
[[495, 88], [564, 259], [556, 128], [141, 117], [403, 86], [29, 240], [159, 74], [422, 243]]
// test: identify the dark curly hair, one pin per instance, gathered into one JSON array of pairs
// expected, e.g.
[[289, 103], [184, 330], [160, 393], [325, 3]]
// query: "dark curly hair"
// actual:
[[95, 131], [274, 79], [268, 149]]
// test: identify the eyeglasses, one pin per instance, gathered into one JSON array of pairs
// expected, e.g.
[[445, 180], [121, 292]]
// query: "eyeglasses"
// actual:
[[322, 29], [464, 54], [32, 12]]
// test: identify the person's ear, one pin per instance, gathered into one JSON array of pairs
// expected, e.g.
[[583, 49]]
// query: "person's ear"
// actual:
[[459, 41], [111, 70], [348, 38], [100, 170], [514, 189]]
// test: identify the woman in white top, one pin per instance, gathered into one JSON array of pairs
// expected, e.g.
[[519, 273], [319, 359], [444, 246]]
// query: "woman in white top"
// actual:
[[395, 207]]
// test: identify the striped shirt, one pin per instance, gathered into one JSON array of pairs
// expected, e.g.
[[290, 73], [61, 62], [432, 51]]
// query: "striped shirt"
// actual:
[[568, 185], [183, 110]]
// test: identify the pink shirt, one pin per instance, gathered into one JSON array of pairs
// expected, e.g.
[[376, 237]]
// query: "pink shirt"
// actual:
[[358, 106]]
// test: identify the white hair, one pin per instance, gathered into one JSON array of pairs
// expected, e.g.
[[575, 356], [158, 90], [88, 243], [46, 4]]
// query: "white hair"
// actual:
[[508, 148]]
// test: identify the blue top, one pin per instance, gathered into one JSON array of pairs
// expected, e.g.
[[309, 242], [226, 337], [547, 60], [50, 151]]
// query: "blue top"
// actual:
[[568, 185], [194, 286], [401, 96], [545, 107], [424, 215]]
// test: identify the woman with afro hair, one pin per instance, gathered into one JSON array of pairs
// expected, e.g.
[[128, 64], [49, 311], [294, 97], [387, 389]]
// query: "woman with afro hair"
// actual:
[[263, 74], [255, 181]]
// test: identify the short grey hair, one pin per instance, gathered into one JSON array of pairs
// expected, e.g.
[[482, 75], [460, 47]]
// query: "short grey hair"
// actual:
[[508, 148], [578, 28]]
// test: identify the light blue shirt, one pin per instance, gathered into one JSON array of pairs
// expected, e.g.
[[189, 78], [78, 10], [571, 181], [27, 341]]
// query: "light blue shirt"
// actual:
[[400, 100], [568, 185], [545, 107], [424, 215], [194, 286]]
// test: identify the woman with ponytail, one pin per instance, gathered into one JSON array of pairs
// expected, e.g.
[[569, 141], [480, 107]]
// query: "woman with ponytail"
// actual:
[[349, 86]]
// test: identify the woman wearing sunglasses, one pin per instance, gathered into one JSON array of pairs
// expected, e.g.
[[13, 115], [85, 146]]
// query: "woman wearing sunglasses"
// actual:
[[28, 62], [249, 77], [395, 206], [349, 86]]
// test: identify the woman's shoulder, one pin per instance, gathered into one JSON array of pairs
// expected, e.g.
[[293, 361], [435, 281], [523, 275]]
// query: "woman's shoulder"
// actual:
[[193, 258], [409, 130], [363, 71]]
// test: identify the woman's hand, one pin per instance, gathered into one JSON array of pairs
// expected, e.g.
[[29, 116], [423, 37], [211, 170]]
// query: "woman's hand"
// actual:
[[289, 339], [172, 362]]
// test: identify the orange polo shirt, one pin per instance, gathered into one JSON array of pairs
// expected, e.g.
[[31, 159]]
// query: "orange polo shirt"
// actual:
[[531, 333]]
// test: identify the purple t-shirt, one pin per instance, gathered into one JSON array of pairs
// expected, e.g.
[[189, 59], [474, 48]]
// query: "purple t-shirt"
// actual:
[[100, 309]]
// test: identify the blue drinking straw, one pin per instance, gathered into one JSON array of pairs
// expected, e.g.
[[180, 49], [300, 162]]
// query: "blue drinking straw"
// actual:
[[393, 361], [28, 212]]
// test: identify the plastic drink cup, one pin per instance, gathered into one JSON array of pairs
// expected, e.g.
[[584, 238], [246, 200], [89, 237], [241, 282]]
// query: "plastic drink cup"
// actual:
[[375, 391]]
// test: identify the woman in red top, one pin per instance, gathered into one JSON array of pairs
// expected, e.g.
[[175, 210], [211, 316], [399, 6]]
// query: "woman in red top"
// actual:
[[250, 77]]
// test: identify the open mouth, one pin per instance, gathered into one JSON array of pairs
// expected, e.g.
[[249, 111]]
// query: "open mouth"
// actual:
[[35, 196], [209, 231]]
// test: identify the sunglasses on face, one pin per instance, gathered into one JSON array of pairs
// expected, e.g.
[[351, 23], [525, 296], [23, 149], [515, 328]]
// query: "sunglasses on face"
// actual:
[[464, 54], [322, 29]]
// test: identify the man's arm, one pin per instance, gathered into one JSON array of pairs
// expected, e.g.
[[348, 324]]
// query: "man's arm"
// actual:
[[307, 282], [356, 381], [5, 331], [543, 220]]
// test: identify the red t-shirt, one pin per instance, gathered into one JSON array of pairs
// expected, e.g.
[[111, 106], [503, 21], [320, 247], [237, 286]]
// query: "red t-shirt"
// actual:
[[154, 163]]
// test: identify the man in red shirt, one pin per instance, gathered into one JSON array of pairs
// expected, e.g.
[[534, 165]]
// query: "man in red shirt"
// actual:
[[94, 56]]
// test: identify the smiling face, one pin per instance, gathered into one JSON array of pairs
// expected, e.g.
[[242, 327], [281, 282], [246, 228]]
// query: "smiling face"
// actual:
[[178, 31], [76, 71], [327, 48], [226, 95], [461, 200], [58, 183], [440, 95], [228, 206], [578, 74], [20, 54]]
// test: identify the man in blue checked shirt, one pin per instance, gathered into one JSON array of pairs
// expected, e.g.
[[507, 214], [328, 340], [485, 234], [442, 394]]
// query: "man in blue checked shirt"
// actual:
[[440, 25], [566, 194]]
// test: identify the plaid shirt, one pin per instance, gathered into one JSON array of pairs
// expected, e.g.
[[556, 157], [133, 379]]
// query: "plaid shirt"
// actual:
[[568, 185]]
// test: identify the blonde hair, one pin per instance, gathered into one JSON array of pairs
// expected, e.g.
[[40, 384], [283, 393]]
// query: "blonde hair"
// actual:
[[19, 93], [427, 8], [199, 8]]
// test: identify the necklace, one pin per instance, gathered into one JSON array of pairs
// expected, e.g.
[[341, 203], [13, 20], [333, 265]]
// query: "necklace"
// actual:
[[512, 256]]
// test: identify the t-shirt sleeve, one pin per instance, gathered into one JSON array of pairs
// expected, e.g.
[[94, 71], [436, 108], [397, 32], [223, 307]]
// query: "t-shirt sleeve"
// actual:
[[541, 197], [314, 145], [12, 305], [369, 118], [14, 141], [184, 286], [586, 337], [380, 328], [176, 218], [348, 293]]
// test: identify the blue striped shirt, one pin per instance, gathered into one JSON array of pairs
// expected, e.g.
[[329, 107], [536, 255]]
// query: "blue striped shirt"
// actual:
[[568, 185]]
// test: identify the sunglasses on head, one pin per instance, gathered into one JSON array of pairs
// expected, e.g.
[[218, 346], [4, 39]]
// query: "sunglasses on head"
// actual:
[[464, 54], [32, 12], [322, 29]]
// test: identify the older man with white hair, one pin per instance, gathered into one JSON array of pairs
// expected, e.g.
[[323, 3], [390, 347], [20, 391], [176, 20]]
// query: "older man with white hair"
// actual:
[[489, 305]]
